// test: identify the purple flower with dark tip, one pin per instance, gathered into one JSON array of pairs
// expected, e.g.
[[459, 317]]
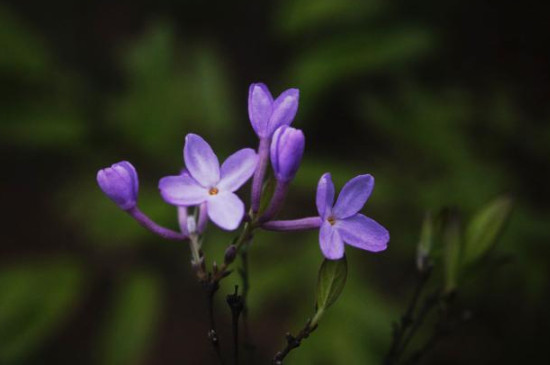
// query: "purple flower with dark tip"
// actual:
[[205, 182], [342, 223], [120, 183], [266, 114], [287, 149]]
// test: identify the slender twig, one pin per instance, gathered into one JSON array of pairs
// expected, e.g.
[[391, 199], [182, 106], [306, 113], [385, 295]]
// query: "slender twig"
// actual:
[[211, 289], [293, 342], [236, 303], [246, 288], [430, 302], [211, 280], [408, 318], [443, 327]]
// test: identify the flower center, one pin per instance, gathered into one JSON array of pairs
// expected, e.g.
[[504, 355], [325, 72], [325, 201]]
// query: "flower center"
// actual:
[[331, 220], [213, 191]]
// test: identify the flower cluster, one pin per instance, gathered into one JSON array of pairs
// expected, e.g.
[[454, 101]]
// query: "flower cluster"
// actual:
[[210, 188]]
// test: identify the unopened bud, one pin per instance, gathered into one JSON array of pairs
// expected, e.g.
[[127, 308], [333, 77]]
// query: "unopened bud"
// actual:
[[230, 254], [120, 183]]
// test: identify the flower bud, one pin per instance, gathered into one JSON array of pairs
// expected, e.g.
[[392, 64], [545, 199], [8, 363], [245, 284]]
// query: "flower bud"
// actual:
[[120, 183], [266, 114], [287, 149], [230, 254]]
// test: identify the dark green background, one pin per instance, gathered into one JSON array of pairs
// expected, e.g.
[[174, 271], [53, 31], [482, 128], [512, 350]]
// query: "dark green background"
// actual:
[[445, 103]]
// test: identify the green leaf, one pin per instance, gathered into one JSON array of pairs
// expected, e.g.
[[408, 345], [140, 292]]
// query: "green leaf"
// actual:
[[128, 331], [425, 244], [452, 253], [330, 282], [35, 300], [298, 17], [485, 227]]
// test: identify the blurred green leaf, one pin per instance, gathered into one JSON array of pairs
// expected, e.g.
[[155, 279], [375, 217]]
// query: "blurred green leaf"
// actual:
[[295, 17], [344, 56], [129, 329], [425, 244], [484, 228], [331, 281], [35, 300], [452, 252], [25, 54], [171, 92], [97, 218], [44, 126]]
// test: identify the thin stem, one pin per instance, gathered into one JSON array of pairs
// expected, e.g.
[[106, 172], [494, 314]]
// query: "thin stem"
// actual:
[[246, 288], [244, 238], [426, 308], [293, 342], [211, 289], [148, 223], [443, 327], [276, 201], [258, 179], [182, 220], [236, 304], [407, 320]]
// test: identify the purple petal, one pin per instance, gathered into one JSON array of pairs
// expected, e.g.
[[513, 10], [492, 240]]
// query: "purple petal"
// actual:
[[237, 169], [131, 171], [226, 210], [120, 183], [325, 195], [182, 190], [200, 161], [331, 243], [260, 104], [287, 149], [353, 196], [364, 233], [284, 109]]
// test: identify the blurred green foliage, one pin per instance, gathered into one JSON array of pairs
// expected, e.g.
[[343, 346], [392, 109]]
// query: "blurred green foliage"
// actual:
[[369, 103], [37, 298]]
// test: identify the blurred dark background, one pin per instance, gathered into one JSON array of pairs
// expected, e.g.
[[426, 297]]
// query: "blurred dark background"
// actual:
[[445, 103]]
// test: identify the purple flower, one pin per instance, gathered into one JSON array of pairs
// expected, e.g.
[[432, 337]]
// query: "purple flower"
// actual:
[[207, 183], [120, 183], [341, 222], [287, 149], [266, 114]]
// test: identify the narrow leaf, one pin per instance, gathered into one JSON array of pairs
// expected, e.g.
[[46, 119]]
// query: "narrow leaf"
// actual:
[[485, 227], [452, 252], [36, 301], [331, 281], [425, 244], [128, 332]]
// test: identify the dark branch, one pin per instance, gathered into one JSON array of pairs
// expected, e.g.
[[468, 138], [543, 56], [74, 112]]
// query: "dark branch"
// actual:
[[293, 342]]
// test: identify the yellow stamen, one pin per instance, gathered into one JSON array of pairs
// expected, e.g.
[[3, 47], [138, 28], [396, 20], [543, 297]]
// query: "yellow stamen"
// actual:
[[331, 220], [213, 191]]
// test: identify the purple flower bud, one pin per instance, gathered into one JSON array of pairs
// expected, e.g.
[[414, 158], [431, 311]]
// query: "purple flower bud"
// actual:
[[230, 254], [120, 183], [287, 149], [266, 114]]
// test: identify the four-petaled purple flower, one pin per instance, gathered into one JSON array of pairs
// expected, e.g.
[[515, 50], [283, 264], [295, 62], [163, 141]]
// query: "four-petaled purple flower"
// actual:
[[207, 183], [342, 222], [266, 114], [120, 183]]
